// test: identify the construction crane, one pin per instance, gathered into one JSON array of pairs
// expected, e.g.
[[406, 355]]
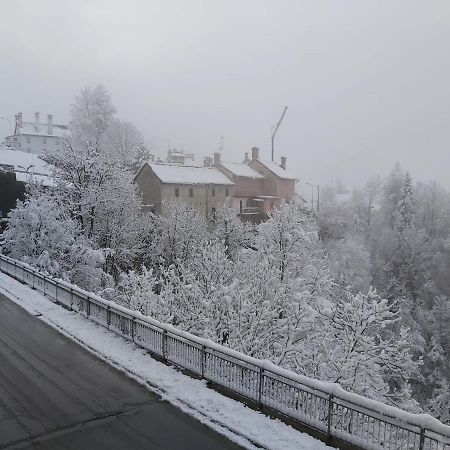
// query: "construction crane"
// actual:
[[275, 129]]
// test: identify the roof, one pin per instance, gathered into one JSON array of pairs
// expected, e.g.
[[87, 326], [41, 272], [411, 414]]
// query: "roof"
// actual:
[[175, 174], [22, 162], [41, 179], [241, 170], [29, 128], [278, 170]]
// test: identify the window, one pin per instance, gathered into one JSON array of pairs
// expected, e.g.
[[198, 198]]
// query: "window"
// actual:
[[28, 139], [213, 192], [177, 192], [213, 211], [191, 192], [226, 192], [240, 205], [44, 140]]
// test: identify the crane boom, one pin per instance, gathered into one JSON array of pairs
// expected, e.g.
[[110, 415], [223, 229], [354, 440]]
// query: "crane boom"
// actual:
[[277, 125]]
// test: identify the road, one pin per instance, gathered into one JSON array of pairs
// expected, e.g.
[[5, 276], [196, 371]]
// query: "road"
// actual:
[[56, 395]]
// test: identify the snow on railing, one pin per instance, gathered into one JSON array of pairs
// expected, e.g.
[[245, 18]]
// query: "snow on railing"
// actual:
[[325, 407]]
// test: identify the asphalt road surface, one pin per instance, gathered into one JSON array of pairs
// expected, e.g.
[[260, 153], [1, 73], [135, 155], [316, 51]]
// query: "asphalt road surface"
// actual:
[[56, 395]]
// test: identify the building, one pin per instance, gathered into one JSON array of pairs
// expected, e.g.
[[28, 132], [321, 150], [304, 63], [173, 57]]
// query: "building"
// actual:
[[260, 186], [248, 186], [180, 157], [203, 188], [36, 137], [18, 168]]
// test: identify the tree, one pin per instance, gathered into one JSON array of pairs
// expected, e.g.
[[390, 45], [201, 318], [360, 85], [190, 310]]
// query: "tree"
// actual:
[[392, 191], [180, 232], [42, 233], [350, 264], [354, 343], [228, 228], [406, 206]]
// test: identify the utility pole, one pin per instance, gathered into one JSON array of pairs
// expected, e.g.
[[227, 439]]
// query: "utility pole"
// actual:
[[312, 196], [318, 198], [275, 129]]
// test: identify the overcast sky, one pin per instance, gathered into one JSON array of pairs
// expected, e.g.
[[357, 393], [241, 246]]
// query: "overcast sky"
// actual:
[[367, 83]]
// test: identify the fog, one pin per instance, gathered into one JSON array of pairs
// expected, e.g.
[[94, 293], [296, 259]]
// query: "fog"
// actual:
[[367, 84]]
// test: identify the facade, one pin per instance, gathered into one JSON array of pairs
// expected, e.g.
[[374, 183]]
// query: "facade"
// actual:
[[36, 137], [260, 186], [202, 188]]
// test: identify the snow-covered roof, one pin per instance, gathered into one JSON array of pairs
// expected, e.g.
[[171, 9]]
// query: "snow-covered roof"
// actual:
[[241, 170], [175, 174], [23, 162], [29, 177], [278, 170], [29, 128]]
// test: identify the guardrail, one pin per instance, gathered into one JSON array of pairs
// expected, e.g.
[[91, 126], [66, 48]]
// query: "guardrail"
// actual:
[[324, 407]]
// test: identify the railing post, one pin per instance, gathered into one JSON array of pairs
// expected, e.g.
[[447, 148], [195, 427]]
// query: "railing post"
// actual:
[[330, 415], [108, 317], [260, 386], [203, 356], [164, 344], [422, 439], [133, 323], [71, 298], [88, 307], [56, 291]]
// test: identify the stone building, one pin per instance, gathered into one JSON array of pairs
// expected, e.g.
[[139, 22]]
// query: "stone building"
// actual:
[[36, 137], [203, 188]]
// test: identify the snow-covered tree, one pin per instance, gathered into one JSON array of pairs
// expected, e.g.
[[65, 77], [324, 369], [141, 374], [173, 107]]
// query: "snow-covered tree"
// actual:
[[229, 229], [42, 232], [350, 264], [180, 232], [406, 206], [353, 342]]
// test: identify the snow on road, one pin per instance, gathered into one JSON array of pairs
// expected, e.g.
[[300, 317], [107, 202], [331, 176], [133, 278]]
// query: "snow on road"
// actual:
[[247, 427]]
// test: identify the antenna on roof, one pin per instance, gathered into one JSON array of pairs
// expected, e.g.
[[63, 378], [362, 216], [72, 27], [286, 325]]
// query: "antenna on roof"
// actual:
[[275, 129]]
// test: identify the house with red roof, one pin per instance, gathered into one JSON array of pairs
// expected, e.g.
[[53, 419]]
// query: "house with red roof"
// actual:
[[259, 185]]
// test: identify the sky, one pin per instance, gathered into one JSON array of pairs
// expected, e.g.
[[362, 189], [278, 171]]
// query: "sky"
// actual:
[[367, 83]]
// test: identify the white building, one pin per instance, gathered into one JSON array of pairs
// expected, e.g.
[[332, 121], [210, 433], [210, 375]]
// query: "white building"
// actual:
[[36, 137]]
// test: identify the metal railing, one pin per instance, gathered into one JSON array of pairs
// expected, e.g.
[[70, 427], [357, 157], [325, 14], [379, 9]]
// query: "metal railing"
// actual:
[[324, 407]]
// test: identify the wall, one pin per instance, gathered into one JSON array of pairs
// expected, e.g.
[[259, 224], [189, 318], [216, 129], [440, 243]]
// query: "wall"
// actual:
[[273, 185], [149, 187], [155, 193], [202, 198], [36, 144]]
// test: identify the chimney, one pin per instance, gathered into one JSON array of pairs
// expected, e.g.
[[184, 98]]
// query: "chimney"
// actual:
[[255, 153], [19, 120], [216, 159], [283, 162], [246, 160], [50, 123], [37, 124]]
